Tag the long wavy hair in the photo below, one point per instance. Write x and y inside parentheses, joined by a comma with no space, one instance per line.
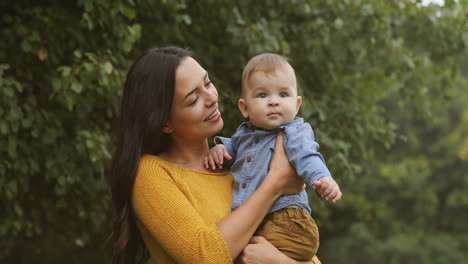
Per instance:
(146,103)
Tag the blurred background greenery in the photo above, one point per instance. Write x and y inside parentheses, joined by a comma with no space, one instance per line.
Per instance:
(384,85)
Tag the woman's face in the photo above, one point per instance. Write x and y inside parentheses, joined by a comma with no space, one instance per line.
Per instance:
(194,114)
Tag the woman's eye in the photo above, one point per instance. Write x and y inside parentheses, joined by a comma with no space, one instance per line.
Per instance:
(283,94)
(194,101)
(208,83)
(262,95)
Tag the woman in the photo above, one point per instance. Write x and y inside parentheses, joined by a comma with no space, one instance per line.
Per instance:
(165,200)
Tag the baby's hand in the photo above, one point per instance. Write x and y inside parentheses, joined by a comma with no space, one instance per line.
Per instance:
(216,156)
(328,189)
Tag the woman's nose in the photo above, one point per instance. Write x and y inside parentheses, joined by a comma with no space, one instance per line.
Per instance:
(211,96)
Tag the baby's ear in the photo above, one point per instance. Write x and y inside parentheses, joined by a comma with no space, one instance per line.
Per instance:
(243,107)
(299,103)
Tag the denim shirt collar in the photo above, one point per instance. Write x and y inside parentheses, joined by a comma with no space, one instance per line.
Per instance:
(252,127)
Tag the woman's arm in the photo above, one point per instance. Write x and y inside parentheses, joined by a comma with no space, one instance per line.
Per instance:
(238,227)
(161,205)
(259,251)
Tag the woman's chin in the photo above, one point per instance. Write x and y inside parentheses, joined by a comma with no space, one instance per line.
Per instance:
(219,126)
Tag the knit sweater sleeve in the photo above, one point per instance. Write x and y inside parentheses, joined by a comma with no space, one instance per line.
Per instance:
(162,206)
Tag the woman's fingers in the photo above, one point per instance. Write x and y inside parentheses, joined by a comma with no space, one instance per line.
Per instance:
(279,143)
(256,239)
(282,174)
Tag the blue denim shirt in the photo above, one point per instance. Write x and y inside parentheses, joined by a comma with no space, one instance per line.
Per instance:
(252,151)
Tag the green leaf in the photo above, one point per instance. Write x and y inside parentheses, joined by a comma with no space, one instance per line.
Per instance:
(56,84)
(77,54)
(90,144)
(8,91)
(65,70)
(88,21)
(135,31)
(76,86)
(18,210)
(108,67)
(130,13)
(26,46)
(70,102)
(89,67)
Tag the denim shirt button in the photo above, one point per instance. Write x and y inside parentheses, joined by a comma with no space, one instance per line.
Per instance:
(244,185)
(249,159)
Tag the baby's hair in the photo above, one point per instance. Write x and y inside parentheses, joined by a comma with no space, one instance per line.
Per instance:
(267,63)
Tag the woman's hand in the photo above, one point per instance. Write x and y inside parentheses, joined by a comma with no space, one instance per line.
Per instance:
(238,227)
(259,251)
(282,174)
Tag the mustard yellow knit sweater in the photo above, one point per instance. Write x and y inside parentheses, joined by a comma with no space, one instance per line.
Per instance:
(177,210)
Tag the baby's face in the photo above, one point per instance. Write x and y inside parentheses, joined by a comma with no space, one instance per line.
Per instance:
(270,100)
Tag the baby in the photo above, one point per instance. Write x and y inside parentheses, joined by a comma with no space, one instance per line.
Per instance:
(269,100)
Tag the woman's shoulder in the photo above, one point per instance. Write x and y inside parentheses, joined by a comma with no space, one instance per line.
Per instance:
(151,168)
(153,165)
(147,160)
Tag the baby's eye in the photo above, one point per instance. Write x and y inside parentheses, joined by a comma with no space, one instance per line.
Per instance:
(284,94)
(208,83)
(262,95)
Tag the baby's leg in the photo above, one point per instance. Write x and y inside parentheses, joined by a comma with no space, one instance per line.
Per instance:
(293,231)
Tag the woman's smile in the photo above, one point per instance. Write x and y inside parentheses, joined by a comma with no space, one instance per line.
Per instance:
(215,116)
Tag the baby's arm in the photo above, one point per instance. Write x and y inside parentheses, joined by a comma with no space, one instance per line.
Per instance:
(328,189)
(302,151)
(216,156)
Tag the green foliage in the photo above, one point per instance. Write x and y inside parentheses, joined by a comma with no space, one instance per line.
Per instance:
(369,72)
(412,204)
(60,92)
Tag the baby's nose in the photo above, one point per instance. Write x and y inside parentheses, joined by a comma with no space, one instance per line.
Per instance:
(273,102)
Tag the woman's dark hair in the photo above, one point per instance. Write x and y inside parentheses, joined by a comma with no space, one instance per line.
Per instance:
(145,107)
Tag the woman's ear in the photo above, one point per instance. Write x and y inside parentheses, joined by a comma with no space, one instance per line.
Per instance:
(298,104)
(243,107)
(167,129)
